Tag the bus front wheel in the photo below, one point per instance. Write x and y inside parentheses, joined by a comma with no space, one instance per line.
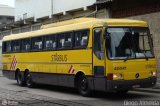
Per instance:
(29,81)
(83,87)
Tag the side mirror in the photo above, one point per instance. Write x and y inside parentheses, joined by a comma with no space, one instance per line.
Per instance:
(107,36)
(108,40)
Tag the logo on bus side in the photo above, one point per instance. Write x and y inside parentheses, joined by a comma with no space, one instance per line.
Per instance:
(59,58)
(137,75)
(71,70)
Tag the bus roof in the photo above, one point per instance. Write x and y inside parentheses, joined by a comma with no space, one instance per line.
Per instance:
(110,22)
(75,24)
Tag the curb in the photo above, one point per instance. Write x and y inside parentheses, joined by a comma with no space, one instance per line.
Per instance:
(150,90)
(155,89)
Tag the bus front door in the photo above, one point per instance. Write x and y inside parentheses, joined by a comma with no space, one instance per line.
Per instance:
(98,59)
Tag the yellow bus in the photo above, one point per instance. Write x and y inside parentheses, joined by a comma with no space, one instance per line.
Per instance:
(111,55)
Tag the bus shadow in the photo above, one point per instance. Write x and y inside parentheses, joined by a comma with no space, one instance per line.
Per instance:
(59,89)
(97,94)
(120,97)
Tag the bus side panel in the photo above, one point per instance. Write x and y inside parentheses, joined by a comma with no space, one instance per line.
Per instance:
(7,66)
(53,67)
(68,63)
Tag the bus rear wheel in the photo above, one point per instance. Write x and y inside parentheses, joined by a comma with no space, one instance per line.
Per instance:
(83,87)
(29,81)
(19,78)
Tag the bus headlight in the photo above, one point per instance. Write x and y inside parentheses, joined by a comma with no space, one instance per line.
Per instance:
(152,73)
(117,76)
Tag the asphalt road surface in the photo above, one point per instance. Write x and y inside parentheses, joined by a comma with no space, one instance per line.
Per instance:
(44,95)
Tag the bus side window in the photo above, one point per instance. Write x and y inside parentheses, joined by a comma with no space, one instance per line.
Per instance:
(50,42)
(16,45)
(37,43)
(26,44)
(4,47)
(81,39)
(65,41)
(8,47)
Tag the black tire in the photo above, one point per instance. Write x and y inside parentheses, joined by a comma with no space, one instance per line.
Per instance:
(83,86)
(20,79)
(29,81)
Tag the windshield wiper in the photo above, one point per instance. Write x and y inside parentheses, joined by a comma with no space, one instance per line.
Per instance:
(126,58)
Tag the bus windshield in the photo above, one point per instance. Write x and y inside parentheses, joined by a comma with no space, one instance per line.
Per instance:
(129,43)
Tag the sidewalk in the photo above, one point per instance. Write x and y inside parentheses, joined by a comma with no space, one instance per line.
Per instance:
(23,98)
(1,73)
(155,89)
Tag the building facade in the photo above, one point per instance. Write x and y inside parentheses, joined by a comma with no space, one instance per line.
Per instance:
(27,9)
(29,17)
(6,14)
(6,17)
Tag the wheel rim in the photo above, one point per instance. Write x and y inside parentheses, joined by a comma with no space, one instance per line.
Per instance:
(19,79)
(83,84)
(28,80)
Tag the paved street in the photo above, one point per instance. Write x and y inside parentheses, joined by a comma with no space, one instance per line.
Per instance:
(50,95)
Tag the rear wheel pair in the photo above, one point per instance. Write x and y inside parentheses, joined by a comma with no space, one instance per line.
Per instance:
(26,80)
(82,83)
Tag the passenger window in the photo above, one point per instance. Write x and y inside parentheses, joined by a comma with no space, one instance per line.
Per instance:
(6,46)
(26,45)
(65,41)
(81,38)
(16,45)
(37,43)
(50,43)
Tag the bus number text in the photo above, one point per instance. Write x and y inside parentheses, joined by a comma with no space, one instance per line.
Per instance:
(120,68)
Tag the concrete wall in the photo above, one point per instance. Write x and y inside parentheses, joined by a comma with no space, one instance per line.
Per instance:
(6,14)
(63,5)
(0,54)
(103,13)
(43,8)
(6,10)
(154,24)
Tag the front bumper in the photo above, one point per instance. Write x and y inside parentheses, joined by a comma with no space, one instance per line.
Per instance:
(121,85)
